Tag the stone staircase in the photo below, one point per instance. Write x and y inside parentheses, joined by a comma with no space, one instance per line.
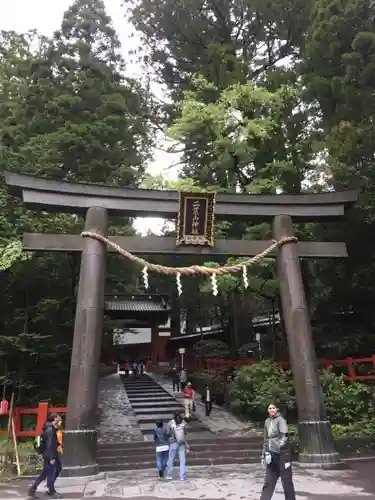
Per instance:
(204,451)
(150,402)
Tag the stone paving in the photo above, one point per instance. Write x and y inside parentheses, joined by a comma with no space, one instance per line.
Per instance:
(118,422)
(214,483)
(220,422)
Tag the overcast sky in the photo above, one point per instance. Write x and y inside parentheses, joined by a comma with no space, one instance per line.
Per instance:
(46,16)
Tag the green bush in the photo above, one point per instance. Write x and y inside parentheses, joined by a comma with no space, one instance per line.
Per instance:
(30,461)
(256,386)
(364,428)
(346,402)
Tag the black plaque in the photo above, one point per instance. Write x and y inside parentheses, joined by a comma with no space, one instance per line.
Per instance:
(196,219)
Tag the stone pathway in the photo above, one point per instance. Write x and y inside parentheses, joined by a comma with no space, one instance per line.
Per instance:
(118,422)
(214,483)
(220,422)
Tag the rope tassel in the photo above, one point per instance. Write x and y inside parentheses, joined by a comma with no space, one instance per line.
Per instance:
(215,290)
(145,277)
(244,276)
(178,283)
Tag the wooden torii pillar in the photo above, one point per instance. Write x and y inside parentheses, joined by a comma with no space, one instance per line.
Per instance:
(99,202)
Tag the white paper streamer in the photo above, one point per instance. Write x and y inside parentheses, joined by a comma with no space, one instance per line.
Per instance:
(178,283)
(215,290)
(145,277)
(244,277)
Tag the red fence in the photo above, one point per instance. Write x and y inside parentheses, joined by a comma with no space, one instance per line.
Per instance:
(354,369)
(41,413)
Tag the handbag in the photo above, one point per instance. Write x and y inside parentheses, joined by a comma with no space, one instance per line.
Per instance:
(194,406)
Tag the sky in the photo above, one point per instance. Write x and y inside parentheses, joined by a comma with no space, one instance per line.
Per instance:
(45,16)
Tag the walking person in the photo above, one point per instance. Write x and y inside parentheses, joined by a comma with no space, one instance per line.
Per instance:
(207,401)
(175,376)
(48,447)
(177,446)
(183,378)
(189,400)
(161,438)
(59,434)
(276,456)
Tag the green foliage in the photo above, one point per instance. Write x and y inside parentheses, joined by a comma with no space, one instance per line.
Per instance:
(67,111)
(12,253)
(345,401)
(348,404)
(241,125)
(211,349)
(258,385)
(363,428)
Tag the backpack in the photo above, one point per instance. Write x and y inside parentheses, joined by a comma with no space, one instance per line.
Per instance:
(179,434)
(39,445)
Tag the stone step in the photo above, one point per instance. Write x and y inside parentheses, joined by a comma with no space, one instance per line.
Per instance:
(154,417)
(151,399)
(146,395)
(193,426)
(140,410)
(212,441)
(191,461)
(216,449)
(153,404)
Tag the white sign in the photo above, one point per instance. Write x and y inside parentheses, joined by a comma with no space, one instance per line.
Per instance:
(181,350)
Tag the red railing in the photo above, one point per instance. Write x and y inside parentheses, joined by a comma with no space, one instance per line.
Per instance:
(355,369)
(41,413)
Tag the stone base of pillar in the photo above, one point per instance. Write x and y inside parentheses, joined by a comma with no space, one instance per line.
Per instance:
(79,456)
(315,438)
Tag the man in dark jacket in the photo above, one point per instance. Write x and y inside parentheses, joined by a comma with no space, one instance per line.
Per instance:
(161,437)
(49,445)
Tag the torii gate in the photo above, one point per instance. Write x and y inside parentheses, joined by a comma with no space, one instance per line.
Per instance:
(97,203)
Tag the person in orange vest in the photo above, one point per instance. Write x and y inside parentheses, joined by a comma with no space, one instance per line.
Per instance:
(59,449)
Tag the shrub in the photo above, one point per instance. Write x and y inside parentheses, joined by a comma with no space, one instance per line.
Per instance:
(256,386)
(364,428)
(345,401)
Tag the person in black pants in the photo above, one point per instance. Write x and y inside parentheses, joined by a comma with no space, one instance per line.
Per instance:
(48,447)
(207,401)
(275,456)
(175,376)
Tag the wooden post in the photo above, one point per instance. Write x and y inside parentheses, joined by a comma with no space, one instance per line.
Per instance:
(81,420)
(315,433)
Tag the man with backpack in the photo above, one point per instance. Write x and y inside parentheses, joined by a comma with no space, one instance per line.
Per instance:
(47,446)
(177,446)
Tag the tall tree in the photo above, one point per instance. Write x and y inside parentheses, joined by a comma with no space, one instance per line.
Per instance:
(339,68)
(227,41)
(67,111)
(90,122)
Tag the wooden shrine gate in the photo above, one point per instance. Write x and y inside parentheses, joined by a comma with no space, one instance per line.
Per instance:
(97,203)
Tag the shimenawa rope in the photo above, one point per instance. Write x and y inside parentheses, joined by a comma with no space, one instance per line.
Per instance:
(191,270)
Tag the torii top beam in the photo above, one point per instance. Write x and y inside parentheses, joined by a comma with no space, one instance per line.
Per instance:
(63,196)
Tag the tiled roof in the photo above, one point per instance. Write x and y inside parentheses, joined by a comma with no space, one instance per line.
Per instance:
(136,305)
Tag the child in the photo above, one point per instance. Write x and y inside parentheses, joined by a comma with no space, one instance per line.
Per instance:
(161,437)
